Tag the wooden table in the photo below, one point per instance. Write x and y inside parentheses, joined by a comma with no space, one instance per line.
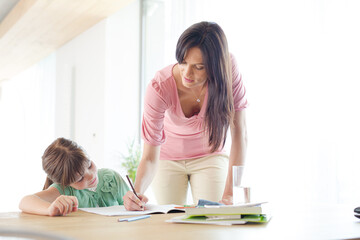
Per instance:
(307,222)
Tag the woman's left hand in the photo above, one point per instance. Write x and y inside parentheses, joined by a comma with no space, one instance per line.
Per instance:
(227,200)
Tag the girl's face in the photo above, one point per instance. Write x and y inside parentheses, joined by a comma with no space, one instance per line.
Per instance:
(192,69)
(88,180)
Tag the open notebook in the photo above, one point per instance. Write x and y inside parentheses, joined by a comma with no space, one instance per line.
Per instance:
(121,211)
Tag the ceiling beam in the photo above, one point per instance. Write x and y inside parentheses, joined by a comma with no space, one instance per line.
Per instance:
(35,28)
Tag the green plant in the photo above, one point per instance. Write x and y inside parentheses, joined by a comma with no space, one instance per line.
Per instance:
(132,159)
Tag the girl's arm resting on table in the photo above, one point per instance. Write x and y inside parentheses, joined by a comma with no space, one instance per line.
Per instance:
(49,202)
(144,175)
(237,152)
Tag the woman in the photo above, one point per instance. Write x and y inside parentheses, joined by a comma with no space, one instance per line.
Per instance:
(188,109)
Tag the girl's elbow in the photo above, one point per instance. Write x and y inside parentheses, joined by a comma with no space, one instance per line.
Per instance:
(22,203)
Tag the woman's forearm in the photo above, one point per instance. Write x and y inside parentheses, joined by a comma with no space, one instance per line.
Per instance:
(238,148)
(144,176)
(237,158)
(147,168)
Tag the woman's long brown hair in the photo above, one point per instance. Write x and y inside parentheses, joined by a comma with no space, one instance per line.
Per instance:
(63,161)
(211,40)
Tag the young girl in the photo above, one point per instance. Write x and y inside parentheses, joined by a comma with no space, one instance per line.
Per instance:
(73,181)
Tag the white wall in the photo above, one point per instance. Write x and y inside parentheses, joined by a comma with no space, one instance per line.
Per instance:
(122,90)
(27,126)
(97,97)
(80,90)
(88,90)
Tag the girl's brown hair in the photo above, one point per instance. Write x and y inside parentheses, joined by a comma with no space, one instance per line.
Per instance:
(63,161)
(211,40)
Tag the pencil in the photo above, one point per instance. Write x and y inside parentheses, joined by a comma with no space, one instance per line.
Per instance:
(132,187)
(131,219)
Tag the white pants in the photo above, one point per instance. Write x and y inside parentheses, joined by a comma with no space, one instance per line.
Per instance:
(207,177)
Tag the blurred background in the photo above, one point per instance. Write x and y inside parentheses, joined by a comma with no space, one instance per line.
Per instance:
(299,60)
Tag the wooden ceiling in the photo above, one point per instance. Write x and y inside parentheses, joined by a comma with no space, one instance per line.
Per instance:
(35,28)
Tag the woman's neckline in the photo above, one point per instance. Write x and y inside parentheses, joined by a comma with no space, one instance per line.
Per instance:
(178,98)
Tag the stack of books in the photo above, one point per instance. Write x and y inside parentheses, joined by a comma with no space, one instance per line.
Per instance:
(225,214)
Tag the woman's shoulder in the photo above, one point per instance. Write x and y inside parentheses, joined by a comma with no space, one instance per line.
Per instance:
(163,84)
(164,77)
(234,69)
(233,61)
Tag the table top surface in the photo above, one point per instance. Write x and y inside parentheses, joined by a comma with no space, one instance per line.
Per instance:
(308,222)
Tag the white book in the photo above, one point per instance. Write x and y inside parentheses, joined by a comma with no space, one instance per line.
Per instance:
(121,211)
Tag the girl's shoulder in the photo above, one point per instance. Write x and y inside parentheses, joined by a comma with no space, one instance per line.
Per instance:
(107,175)
(68,191)
(103,171)
(110,181)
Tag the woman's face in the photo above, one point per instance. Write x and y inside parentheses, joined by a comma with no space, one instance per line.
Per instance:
(192,69)
(89,179)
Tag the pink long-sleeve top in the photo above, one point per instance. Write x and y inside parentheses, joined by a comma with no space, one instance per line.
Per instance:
(165,124)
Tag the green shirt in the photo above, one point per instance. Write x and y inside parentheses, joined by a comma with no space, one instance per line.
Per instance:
(109,191)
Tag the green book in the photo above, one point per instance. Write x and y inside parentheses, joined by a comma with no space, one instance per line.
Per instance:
(254,208)
(262,218)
